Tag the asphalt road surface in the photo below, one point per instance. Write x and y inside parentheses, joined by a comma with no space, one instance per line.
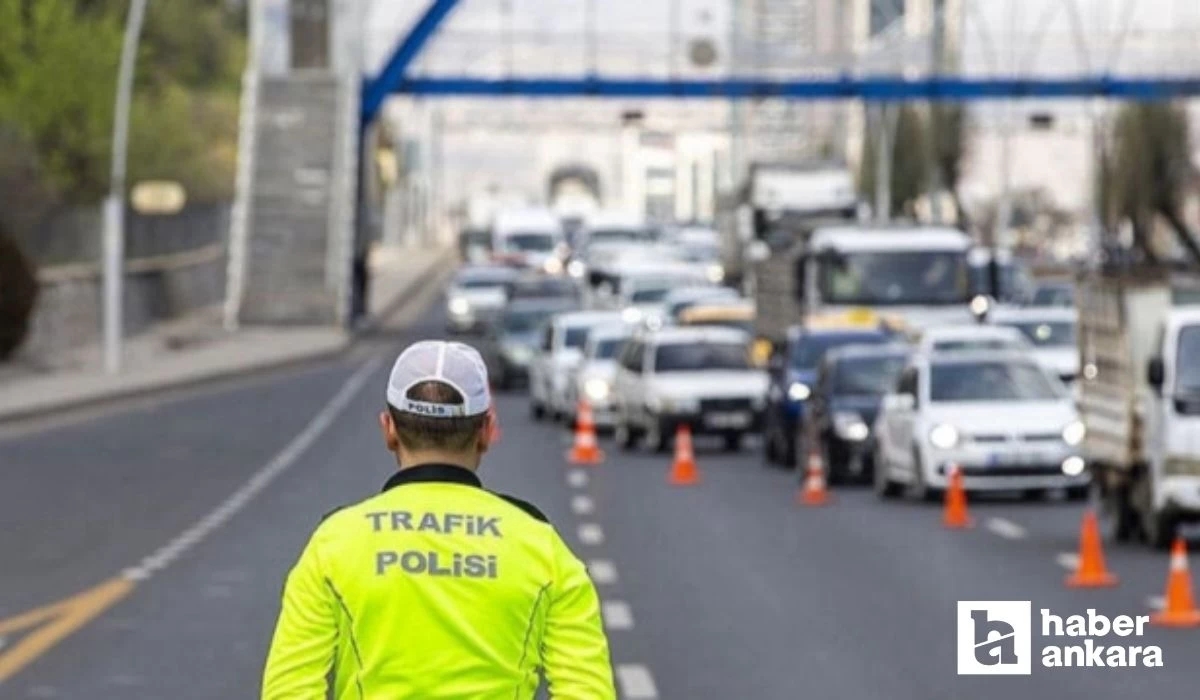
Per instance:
(166,527)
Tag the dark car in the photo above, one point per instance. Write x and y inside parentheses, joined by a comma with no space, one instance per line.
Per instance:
(510,342)
(544,287)
(850,385)
(793,372)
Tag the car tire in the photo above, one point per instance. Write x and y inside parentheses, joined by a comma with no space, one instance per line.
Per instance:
(885,488)
(921,490)
(835,474)
(624,435)
(655,437)
(733,442)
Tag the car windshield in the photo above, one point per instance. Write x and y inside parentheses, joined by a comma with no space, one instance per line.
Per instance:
(616,235)
(1013,281)
(525,321)
(481,282)
(1187,361)
(692,357)
(548,288)
(809,350)
(1053,295)
(894,278)
(990,380)
(576,336)
(866,376)
(607,349)
(530,242)
(973,344)
(649,295)
(699,252)
(1047,334)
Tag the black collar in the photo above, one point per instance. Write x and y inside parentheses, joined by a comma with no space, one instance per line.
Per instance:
(440,473)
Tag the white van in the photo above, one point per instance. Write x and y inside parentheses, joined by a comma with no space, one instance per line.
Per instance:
(531,238)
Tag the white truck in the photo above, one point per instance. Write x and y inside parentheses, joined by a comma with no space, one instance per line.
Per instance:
(1139,399)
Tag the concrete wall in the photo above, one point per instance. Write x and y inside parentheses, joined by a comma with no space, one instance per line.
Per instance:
(174,265)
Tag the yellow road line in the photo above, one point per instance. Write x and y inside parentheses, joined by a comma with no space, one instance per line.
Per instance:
(56,621)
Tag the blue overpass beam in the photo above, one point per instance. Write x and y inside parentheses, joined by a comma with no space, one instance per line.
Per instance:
(393,73)
(872,89)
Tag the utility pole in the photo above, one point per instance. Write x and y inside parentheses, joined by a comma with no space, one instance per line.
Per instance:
(114,204)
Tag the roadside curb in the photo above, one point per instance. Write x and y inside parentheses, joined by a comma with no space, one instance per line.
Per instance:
(335,347)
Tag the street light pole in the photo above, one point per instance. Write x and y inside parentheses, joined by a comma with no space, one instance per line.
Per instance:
(114,204)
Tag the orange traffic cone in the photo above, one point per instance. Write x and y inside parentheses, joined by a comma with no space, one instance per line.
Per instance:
(954,514)
(683,468)
(1180,608)
(585,450)
(813,492)
(1091,571)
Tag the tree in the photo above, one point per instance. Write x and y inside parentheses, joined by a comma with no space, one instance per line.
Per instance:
(948,135)
(1148,172)
(910,160)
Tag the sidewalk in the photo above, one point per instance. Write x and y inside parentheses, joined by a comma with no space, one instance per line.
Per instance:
(196,349)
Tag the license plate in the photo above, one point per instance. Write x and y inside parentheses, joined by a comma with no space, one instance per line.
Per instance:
(727,420)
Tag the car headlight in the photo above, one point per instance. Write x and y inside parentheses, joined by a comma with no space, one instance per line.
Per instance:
(715,273)
(460,306)
(596,389)
(576,269)
(850,426)
(799,391)
(944,436)
(1074,433)
(1073,466)
(519,354)
(631,315)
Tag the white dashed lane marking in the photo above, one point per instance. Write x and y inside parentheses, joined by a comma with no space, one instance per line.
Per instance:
(591,533)
(1005,528)
(603,571)
(636,682)
(577,478)
(1068,560)
(1156,602)
(583,505)
(617,615)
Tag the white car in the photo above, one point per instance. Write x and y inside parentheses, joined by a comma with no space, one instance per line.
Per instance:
(477,294)
(532,238)
(559,353)
(971,337)
(700,377)
(641,290)
(1005,421)
(1051,332)
(594,377)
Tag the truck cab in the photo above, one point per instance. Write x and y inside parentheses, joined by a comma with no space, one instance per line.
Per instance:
(918,274)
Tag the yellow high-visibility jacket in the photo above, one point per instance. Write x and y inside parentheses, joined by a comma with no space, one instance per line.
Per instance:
(438,588)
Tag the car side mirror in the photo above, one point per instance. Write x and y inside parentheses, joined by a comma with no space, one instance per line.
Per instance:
(1155,374)
(899,402)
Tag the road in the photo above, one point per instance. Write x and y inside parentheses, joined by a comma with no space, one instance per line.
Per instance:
(200,502)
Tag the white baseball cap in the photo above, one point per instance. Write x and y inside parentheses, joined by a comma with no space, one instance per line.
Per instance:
(456,365)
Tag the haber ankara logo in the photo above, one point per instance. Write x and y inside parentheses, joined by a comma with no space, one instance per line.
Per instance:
(995,637)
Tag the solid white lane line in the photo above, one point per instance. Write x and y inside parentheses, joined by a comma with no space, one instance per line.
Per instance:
(1156,602)
(1005,528)
(281,462)
(577,478)
(617,615)
(1068,560)
(582,505)
(591,533)
(636,682)
(603,571)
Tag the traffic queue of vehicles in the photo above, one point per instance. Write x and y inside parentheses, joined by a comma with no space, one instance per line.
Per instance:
(880,359)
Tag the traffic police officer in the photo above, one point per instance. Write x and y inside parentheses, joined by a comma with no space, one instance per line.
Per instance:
(438,588)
